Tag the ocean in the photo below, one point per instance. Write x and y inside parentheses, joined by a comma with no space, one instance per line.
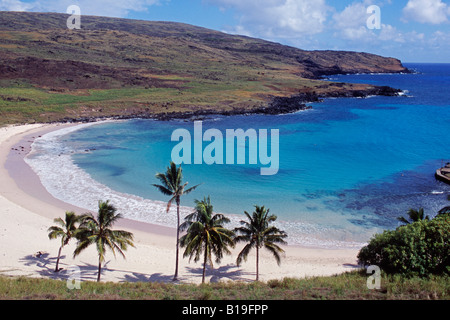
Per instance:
(348,167)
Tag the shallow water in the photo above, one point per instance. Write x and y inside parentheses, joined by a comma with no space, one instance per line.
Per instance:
(347,169)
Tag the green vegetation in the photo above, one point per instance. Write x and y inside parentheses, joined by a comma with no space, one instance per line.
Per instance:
(120,67)
(257,233)
(414,215)
(65,229)
(92,230)
(172,186)
(98,231)
(414,259)
(347,286)
(205,233)
(420,248)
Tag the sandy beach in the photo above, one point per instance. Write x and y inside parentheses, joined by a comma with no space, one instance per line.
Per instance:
(27,211)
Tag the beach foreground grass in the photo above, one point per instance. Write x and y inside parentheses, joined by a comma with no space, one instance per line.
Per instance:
(347,286)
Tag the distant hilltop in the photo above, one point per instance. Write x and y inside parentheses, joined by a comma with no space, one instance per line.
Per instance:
(161,68)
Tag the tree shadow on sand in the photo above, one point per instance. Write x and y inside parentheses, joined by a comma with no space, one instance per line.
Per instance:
(87,272)
(142,277)
(223,273)
(46,267)
(155,277)
(43,261)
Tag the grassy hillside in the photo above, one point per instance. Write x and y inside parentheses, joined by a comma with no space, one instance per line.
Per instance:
(126,67)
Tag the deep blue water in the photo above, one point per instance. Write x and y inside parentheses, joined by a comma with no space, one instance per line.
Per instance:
(347,169)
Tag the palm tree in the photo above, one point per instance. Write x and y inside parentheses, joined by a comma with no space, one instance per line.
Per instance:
(414,215)
(206,234)
(258,234)
(172,185)
(65,229)
(98,231)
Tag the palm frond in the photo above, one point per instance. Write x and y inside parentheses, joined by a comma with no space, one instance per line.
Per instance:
(60,222)
(55,232)
(97,230)
(191,188)
(164,190)
(403,220)
(257,232)
(82,245)
(163,178)
(242,256)
(206,233)
(275,250)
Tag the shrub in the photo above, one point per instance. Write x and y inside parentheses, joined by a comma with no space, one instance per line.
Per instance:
(420,248)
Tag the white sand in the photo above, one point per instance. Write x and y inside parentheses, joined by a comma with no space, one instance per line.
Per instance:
(26,212)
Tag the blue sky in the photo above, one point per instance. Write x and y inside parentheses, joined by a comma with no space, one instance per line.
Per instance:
(411,30)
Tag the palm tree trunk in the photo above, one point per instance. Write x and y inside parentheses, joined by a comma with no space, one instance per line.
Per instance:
(175,277)
(257,263)
(99,269)
(57,260)
(204,265)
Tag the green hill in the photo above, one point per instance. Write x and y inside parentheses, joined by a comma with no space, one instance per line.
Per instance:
(121,67)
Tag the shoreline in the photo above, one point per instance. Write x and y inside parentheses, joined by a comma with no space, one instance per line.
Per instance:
(24,198)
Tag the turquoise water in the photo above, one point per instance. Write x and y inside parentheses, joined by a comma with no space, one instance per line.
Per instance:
(347,169)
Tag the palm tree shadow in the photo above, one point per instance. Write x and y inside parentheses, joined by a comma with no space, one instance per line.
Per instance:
(159,277)
(89,272)
(141,277)
(228,272)
(135,277)
(45,263)
(155,277)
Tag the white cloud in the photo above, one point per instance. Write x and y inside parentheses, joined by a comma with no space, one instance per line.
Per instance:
(110,8)
(426,11)
(350,28)
(439,40)
(353,16)
(277,18)
(351,23)
(14,5)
